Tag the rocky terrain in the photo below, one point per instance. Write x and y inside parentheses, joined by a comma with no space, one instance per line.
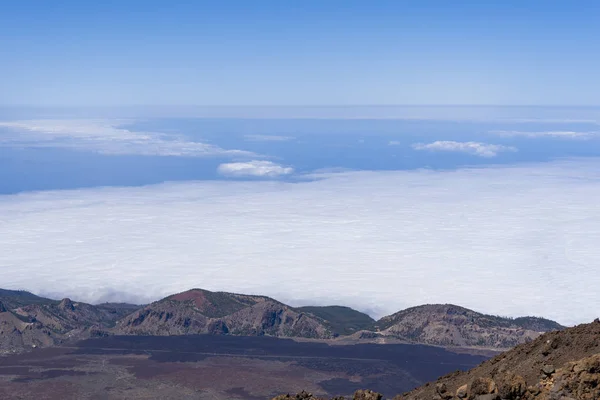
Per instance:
(28,321)
(450,325)
(556,366)
(219,367)
(561,365)
(201,311)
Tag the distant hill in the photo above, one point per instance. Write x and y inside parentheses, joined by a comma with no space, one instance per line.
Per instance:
(28,320)
(18,298)
(48,322)
(451,325)
(341,320)
(200,311)
(537,324)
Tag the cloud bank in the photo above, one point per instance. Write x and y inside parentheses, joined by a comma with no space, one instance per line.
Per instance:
(268,138)
(106,137)
(551,134)
(473,148)
(255,168)
(505,240)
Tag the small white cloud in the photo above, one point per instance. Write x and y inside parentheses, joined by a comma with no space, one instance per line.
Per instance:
(554,134)
(268,138)
(106,137)
(254,168)
(393,143)
(474,148)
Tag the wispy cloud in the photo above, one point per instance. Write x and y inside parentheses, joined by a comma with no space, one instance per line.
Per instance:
(106,137)
(268,138)
(552,134)
(254,168)
(372,240)
(473,148)
(394,143)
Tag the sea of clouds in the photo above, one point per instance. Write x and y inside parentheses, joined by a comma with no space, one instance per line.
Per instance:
(510,240)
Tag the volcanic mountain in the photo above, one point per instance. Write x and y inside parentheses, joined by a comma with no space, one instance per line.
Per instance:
(450,325)
(46,322)
(27,320)
(200,311)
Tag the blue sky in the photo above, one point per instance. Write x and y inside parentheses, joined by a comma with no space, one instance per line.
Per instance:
(148,147)
(74,53)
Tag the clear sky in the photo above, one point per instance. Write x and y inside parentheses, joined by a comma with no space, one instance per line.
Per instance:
(115,53)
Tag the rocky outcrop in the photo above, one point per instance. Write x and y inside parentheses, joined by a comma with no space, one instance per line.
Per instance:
(17,334)
(199,311)
(561,365)
(52,323)
(450,325)
(578,380)
(358,395)
(67,315)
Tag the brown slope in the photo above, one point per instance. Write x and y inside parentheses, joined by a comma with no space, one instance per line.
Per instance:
(67,315)
(16,333)
(450,325)
(557,365)
(50,323)
(18,298)
(199,311)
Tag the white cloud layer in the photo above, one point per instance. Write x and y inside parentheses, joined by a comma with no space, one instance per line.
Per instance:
(552,134)
(504,240)
(106,137)
(473,148)
(268,138)
(254,168)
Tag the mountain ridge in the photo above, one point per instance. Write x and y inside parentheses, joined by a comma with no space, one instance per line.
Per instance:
(452,325)
(47,322)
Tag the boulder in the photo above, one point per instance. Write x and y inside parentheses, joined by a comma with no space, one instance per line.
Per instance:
(481,386)
(461,392)
(303,395)
(548,369)
(442,391)
(441,388)
(489,396)
(367,395)
(512,388)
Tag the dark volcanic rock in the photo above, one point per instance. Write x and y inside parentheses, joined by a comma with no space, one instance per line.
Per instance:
(367,395)
(363,394)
